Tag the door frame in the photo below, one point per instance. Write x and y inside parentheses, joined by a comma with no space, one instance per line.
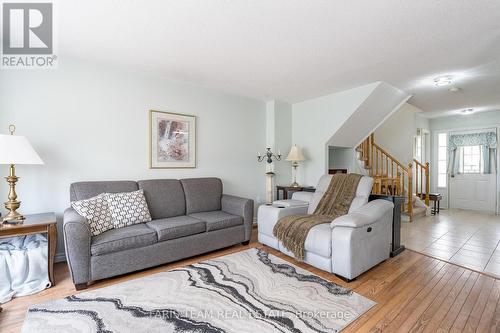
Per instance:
(426,145)
(434,167)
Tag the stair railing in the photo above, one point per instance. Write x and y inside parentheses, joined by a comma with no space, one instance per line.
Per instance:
(421,177)
(391,176)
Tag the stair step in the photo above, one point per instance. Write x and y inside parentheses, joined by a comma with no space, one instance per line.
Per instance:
(417,213)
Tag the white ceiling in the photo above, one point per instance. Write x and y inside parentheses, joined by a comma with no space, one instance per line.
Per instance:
(294,50)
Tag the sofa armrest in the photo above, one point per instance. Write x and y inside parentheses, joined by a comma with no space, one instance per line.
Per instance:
(77,240)
(241,207)
(367,214)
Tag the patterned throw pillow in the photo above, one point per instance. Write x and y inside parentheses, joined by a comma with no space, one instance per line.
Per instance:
(96,211)
(128,208)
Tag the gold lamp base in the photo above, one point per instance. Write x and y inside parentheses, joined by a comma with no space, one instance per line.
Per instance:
(12,205)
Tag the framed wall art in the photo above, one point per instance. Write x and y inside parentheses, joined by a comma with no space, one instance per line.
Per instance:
(172,141)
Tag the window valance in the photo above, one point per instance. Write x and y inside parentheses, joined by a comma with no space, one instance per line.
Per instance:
(485,139)
(488,142)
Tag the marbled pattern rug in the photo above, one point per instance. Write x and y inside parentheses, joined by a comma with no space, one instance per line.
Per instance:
(249,291)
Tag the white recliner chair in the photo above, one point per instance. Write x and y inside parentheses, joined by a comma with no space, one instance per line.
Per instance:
(350,244)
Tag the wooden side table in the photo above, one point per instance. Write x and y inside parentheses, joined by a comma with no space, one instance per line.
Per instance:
(290,189)
(436,198)
(36,224)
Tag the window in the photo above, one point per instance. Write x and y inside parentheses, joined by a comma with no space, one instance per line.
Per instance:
(418,148)
(470,159)
(442,159)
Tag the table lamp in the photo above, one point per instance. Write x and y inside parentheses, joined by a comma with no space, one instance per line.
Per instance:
(295,155)
(15,149)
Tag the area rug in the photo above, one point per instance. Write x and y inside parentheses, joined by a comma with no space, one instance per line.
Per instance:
(249,291)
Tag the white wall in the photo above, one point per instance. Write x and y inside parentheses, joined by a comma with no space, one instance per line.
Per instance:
(314,122)
(341,158)
(283,141)
(475,120)
(382,102)
(343,119)
(396,134)
(91,123)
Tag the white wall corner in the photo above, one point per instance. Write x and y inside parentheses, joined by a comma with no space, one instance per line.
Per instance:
(279,138)
(314,122)
(382,102)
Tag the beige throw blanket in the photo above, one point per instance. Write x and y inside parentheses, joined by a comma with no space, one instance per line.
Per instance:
(293,230)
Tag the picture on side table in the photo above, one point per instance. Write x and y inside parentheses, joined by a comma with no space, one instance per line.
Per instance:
(172,142)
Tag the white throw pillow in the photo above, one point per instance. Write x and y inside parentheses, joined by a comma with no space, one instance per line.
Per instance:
(96,211)
(128,208)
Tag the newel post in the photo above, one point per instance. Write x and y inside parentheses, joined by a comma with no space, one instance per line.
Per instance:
(410,190)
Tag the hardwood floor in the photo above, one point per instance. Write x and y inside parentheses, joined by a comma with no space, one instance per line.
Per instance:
(414,293)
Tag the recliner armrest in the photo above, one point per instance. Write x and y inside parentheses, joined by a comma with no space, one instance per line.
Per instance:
(364,215)
(290,203)
(241,207)
(273,213)
(303,196)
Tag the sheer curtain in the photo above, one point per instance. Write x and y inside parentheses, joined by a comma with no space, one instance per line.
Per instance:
(486,139)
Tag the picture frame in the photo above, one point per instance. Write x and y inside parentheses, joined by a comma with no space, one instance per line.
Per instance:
(172,140)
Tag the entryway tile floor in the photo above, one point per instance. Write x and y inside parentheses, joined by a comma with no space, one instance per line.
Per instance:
(467,238)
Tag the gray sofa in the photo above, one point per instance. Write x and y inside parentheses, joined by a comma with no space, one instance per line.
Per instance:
(189,217)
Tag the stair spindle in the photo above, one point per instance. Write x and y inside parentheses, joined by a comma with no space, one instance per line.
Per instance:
(427,183)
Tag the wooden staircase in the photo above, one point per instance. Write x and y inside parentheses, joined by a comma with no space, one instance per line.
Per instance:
(391,177)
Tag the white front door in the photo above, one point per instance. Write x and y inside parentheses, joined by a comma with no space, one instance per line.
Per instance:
(473,191)
(470,187)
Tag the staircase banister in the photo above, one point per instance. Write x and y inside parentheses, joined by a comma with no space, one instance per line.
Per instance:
(421,164)
(390,157)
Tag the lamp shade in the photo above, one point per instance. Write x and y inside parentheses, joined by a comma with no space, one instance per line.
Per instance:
(295,154)
(15,149)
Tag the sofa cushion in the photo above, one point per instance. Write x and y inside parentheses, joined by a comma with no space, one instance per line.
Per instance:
(131,237)
(202,194)
(319,240)
(86,190)
(362,192)
(177,227)
(97,213)
(128,208)
(165,197)
(218,219)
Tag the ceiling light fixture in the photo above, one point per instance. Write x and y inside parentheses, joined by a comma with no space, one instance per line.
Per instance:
(441,81)
(468,111)
(454,89)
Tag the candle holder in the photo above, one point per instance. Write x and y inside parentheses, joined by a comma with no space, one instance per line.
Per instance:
(269,156)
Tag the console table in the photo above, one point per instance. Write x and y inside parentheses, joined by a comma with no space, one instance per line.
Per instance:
(36,224)
(396,246)
(290,189)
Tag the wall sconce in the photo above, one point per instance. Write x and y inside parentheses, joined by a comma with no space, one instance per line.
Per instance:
(268,156)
